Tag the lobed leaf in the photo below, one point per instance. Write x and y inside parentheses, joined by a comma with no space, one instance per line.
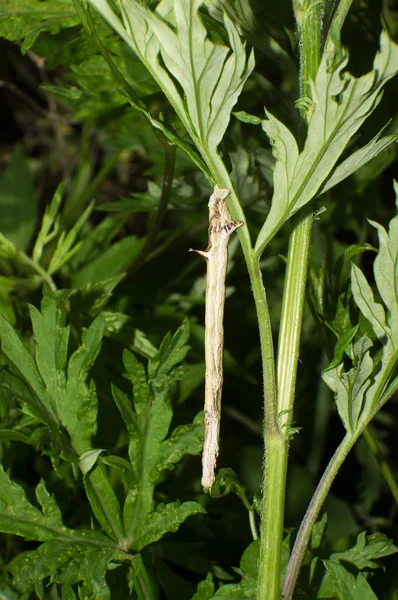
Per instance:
(341,103)
(345,585)
(66,564)
(367,549)
(350,387)
(210,75)
(150,451)
(164,519)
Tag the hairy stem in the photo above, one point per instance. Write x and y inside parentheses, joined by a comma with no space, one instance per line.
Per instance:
(312,514)
(277,445)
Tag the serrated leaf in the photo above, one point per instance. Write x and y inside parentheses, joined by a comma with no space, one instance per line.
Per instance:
(164,519)
(19,517)
(367,550)
(341,103)
(211,76)
(18,203)
(148,421)
(185,439)
(65,563)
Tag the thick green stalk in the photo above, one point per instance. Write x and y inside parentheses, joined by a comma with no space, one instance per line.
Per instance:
(276,446)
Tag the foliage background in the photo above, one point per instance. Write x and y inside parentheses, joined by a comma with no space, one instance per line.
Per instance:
(63,119)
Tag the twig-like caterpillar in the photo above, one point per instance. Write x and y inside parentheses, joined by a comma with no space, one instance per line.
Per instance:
(216,255)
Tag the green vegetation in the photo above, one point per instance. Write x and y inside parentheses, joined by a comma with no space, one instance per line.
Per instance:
(122,116)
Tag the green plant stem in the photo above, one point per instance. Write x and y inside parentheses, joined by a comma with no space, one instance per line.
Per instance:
(41,272)
(312,513)
(276,444)
(338,18)
(291,319)
(326,481)
(155,225)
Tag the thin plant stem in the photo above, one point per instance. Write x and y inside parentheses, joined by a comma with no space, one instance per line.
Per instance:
(322,490)
(253,526)
(311,516)
(338,19)
(40,271)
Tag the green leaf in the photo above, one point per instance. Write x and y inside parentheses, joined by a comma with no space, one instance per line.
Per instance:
(66,246)
(148,421)
(172,351)
(248,569)
(341,103)
(66,563)
(25,19)
(185,439)
(104,503)
(367,549)
(19,517)
(49,224)
(350,387)
(205,589)
(318,532)
(386,269)
(18,203)
(371,310)
(140,580)
(358,159)
(342,345)
(113,261)
(227,482)
(346,586)
(210,75)
(164,519)
(42,403)
(74,400)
